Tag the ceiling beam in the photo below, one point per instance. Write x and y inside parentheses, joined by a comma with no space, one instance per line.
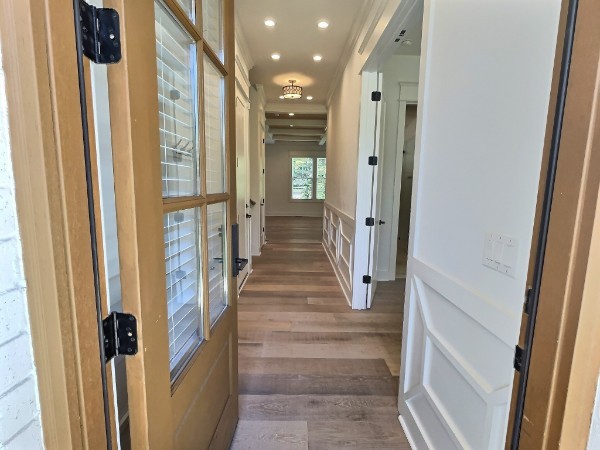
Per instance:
(297,122)
(296,132)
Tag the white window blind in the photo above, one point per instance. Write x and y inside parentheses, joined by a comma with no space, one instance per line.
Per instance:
(212,25)
(217,260)
(214,127)
(189,6)
(178,105)
(182,260)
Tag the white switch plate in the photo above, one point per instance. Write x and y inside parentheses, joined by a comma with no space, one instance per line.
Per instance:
(500,253)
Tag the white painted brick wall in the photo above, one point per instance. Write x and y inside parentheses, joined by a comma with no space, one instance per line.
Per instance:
(20,424)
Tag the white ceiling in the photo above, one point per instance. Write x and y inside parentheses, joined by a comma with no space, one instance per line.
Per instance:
(412,32)
(297,38)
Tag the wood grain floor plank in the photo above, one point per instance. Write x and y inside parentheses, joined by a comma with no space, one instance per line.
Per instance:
(312,372)
(271,435)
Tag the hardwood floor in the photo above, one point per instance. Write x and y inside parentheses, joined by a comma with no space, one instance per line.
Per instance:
(312,372)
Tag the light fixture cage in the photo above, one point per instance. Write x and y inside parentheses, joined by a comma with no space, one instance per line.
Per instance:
(292,91)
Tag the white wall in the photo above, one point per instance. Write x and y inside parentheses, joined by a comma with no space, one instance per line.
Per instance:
(277,177)
(483,105)
(344,112)
(594,442)
(20,421)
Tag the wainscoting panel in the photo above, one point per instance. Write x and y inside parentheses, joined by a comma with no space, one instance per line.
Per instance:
(338,241)
(458,355)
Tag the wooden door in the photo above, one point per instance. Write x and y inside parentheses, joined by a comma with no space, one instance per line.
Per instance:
(173,137)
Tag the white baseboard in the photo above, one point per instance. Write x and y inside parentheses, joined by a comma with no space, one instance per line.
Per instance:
(411,441)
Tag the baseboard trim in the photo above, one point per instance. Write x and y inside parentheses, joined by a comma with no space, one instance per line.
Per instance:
(411,441)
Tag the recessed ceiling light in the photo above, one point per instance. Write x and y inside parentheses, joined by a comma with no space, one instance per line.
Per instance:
(309,97)
(276,56)
(269,23)
(292,126)
(323,24)
(281,97)
(317,58)
(291,114)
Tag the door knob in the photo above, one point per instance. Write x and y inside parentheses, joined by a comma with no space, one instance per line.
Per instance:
(381,222)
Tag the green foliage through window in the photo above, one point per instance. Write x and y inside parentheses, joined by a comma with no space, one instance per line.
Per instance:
(308,178)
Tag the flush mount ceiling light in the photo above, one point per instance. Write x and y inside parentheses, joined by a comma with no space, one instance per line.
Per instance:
(292,91)
(323,24)
(406,43)
(291,114)
(309,97)
(270,23)
(276,56)
(317,58)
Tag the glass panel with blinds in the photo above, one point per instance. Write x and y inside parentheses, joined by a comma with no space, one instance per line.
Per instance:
(184,304)
(178,106)
(212,26)
(189,6)
(217,260)
(214,127)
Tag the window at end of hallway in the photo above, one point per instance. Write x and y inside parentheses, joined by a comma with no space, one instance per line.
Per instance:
(308,175)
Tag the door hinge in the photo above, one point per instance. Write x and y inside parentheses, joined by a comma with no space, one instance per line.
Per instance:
(528,298)
(376,96)
(372,160)
(518,361)
(120,335)
(366,279)
(370,221)
(101,36)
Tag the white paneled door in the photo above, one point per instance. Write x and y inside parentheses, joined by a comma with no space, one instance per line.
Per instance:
(483,100)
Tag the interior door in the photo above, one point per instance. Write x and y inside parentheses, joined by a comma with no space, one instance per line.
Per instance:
(243,202)
(375,186)
(173,137)
(263,215)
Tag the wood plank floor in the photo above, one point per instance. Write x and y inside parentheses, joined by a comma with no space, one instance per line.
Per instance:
(313,374)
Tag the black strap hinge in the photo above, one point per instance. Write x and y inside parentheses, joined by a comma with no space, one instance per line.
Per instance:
(100,33)
(366,279)
(376,96)
(370,221)
(518,361)
(120,335)
(372,160)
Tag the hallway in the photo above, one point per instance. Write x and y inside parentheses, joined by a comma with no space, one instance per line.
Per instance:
(312,372)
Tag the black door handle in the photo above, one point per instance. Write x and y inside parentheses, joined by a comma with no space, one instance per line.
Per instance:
(381,222)
(240,263)
(248,216)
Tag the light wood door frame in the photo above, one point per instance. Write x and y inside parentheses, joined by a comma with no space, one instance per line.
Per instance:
(156,404)
(565,354)
(39,56)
